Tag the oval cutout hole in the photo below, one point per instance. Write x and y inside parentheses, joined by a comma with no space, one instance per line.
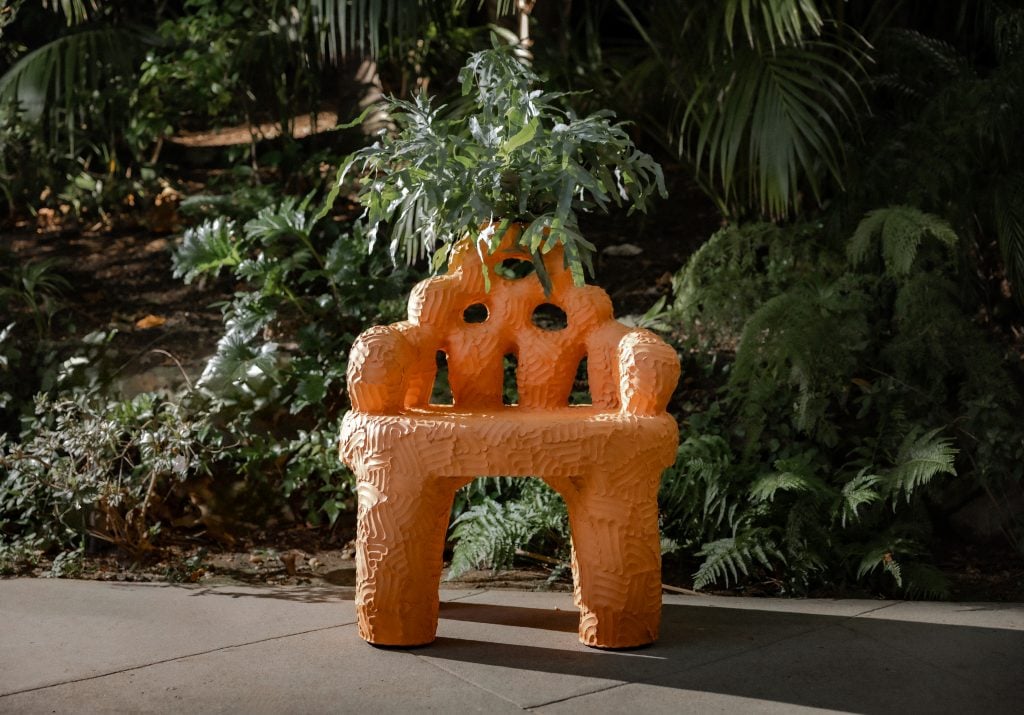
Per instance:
(476,313)
(548,316)
(514,269)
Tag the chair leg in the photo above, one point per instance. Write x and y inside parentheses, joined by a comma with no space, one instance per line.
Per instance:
(616,557)
(400,535)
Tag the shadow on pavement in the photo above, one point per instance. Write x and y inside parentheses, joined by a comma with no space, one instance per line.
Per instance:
(843,663)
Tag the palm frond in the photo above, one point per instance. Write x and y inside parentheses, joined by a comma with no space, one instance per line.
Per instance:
(783,22)
(769,120)
(55,79)
(75,11)
(1009,214)
(377,27)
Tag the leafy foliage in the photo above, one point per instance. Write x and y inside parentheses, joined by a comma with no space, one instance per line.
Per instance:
(206,249)
(490,532)
(510,155)
(89,466)
(255,438)
(842,414)
(758,96)
(900,231)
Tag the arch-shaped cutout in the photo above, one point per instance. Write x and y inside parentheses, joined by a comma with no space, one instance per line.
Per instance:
(475,313)
(510,386)
(580,394)
(514,269)
(441,393)
(548,316)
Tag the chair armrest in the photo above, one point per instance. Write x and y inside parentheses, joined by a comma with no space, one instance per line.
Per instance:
(379,368)
(648,373)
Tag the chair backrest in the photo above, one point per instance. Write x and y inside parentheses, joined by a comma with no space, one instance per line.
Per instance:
(476,328)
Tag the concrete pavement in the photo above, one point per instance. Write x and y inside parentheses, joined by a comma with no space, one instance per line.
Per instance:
(78,646)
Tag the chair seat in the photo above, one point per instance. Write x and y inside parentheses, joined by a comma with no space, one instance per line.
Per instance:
(442,441)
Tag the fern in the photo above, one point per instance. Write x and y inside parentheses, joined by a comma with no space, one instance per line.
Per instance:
(794,476)
(923,581)
(882,556)
(896,557)
(859,491)
(490,533)
(807,338)
(900,230)
(727,558)
(696,492)
(921,458)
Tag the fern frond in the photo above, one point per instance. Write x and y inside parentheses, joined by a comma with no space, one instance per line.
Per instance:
(696,488)
(765,488)
(939,54)
(924,581)
(921,457)
(881,557)
(900,230)
(727,558)
(486,535)
(856,493)
(808,338)
(489,533)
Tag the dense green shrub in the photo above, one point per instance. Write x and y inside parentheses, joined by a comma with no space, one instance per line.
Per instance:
(861,384)
(273,391)
(254,439)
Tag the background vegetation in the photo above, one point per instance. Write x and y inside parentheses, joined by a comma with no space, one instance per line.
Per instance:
(851,337)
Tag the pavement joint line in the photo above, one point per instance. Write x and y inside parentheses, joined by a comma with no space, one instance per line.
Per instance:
(876,609)
(172,660)
(468,595)
(567,698)
(915,655)
(426,658)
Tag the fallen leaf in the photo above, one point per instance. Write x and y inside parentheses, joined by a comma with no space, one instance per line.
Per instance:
(150,321)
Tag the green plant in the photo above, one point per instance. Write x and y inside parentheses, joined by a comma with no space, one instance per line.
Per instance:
(37,286)
(758,96)
(824,458)
(273,391)
(509,155)
(90,466)
(491,532)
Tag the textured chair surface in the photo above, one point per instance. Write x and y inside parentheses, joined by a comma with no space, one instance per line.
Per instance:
(606,459)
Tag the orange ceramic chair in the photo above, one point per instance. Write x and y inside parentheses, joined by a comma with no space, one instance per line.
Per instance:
(605,459)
